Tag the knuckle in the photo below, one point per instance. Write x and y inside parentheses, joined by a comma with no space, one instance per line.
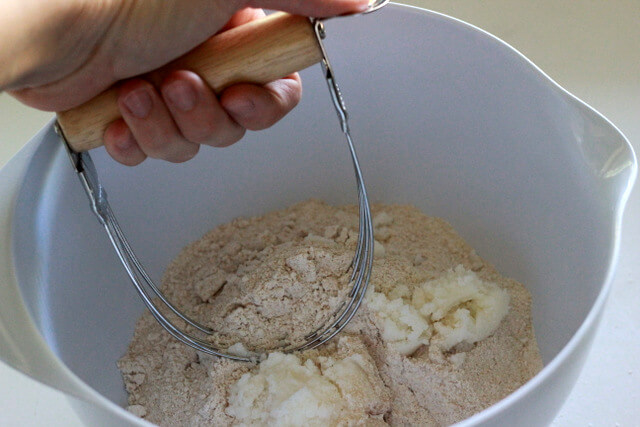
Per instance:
(214,133)
(183,155)
(238,135)
(156,148)
(201,133)
(266,120)
(131,160)
(227,138)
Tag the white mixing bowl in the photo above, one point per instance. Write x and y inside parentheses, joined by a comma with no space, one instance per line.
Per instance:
(445,117)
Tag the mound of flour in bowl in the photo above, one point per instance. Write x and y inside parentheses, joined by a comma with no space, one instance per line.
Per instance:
(440,336)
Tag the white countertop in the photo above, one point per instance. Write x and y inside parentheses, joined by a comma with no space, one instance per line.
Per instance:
(592,48)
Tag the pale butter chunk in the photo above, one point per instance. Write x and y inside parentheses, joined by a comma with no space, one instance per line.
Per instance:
(402,326)
(285,391)
(461,306)
(456,307)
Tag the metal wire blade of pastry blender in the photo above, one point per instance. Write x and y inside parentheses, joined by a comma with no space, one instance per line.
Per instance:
(145,287)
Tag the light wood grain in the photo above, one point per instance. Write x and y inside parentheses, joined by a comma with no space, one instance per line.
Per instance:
(257,52)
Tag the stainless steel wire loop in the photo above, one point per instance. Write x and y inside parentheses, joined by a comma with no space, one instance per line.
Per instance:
(153,298)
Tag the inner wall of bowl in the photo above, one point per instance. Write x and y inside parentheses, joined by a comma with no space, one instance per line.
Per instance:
(444,118)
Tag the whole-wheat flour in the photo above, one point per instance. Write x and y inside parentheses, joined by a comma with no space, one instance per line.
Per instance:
(440,336)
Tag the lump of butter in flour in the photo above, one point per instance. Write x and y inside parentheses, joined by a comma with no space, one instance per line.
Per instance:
(454,308)
(330,390)
(401,324)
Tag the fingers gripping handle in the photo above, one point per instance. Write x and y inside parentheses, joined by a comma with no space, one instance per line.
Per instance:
(257,52)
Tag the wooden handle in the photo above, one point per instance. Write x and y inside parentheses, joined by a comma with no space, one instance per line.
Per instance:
(259,52)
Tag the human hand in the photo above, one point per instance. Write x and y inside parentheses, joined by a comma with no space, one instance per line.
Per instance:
(90,45)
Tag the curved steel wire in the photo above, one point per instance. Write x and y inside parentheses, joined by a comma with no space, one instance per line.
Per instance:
(361,264)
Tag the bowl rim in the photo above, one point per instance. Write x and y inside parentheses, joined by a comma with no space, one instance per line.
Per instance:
(87,393)
(591,319)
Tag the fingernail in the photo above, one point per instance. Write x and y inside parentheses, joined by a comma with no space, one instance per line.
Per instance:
(181,94)
(139,103)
